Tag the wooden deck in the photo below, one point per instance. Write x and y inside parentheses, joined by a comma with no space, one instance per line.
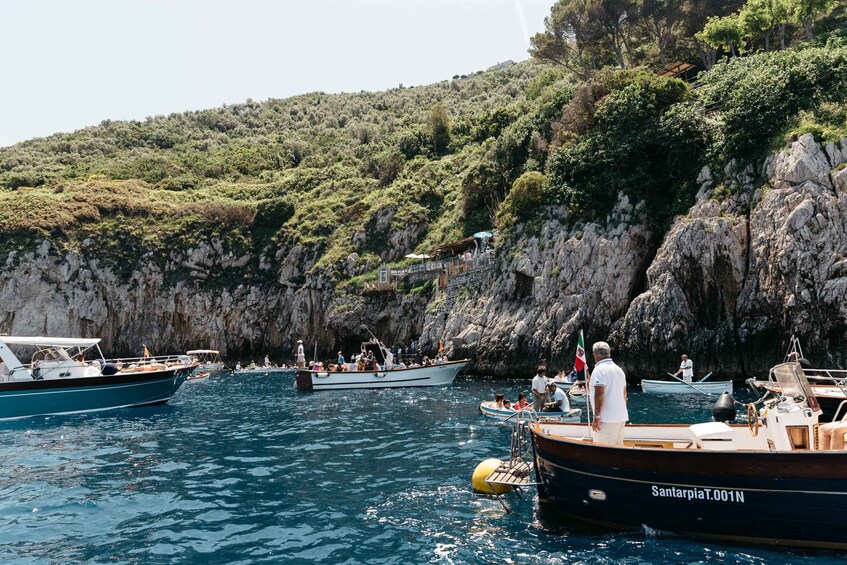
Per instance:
(515,474)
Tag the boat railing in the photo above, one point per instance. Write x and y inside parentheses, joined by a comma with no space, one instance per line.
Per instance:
(836,417)
(45,368)
(832,375)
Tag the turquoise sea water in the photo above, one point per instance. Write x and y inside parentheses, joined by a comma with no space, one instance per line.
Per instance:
(246,469)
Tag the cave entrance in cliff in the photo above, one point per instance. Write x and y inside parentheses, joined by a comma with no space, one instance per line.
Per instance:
(523,285)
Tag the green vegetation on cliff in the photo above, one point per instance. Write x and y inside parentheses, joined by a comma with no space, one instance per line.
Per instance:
(382,174)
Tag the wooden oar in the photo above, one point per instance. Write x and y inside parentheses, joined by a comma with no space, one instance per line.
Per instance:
(691,385)
(704,378)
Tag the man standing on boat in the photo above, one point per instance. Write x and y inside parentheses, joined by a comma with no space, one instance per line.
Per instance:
(607,388)
(539,388)
(686,368)
(301,355)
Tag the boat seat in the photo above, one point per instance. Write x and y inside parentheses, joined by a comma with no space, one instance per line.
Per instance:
(711,435)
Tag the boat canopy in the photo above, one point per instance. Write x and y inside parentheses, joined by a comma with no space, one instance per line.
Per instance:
(203,351)
(50,341)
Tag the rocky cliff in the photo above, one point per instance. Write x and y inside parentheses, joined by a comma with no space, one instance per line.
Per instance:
(195,298)
(761,254)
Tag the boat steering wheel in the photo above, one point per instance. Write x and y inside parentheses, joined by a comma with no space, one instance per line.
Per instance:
(753,419)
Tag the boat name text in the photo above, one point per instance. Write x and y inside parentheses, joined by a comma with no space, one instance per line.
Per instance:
(711,494)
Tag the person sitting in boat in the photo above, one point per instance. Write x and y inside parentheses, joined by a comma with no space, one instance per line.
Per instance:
(558,399)
(439,359)
(499,401)
(340,358)
(401,365)
(832,436)
(686,368)
(238,366)
(507,405)
(521,403)
(267,361)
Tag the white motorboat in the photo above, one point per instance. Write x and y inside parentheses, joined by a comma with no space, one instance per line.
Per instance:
(71,376)
(263,371)
(198,377)
(209,360)
(489,408)
(431,375)
(678,387)
(563,383)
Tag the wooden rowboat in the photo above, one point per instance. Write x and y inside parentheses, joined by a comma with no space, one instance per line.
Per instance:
(677,387)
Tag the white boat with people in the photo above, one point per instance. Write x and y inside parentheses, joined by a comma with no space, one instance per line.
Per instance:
(376,368)
(489,408)
(198,377)
(263,371)
(208,359)
(681,387)
(71,376)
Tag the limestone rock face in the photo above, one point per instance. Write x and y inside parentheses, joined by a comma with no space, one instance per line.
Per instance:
(730,281)
(749,279)
(540,293)
(196,298)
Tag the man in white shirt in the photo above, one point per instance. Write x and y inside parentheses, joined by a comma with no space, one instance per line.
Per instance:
(539,388)
(607,389)
(558,399)
(686,368)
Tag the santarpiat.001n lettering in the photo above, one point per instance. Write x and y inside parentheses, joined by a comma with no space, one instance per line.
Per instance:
(696,493)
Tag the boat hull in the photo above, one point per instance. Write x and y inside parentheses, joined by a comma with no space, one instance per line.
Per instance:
(25,399)
(264,372)
(212,367)
(773,498)
(433,375)
(676,387)
(570,416)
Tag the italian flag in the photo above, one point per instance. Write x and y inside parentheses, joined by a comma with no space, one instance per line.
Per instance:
(579,362)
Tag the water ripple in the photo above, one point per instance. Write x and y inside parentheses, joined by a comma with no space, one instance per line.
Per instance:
(246,470)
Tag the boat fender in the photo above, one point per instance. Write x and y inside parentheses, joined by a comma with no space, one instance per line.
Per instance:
(724,408)
(481,473)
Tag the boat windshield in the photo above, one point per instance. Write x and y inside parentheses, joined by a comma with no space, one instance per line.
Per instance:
(792,382)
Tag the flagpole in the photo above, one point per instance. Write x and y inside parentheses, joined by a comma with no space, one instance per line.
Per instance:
(588,403)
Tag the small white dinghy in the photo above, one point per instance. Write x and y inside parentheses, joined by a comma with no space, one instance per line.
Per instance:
(489,408)
(678,387)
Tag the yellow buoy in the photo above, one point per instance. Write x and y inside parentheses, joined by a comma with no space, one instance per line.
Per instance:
(481,473)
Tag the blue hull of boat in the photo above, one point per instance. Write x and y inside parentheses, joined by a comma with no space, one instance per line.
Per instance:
(91,394)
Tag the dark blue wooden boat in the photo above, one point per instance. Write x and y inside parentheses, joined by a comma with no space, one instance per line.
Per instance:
(767,482)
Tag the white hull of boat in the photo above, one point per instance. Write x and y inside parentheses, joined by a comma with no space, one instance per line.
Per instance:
(212,367)
(433,375)
(264,371)
(488,409)
(676,387)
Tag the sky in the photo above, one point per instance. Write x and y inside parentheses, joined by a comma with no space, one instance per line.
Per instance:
(71,64)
